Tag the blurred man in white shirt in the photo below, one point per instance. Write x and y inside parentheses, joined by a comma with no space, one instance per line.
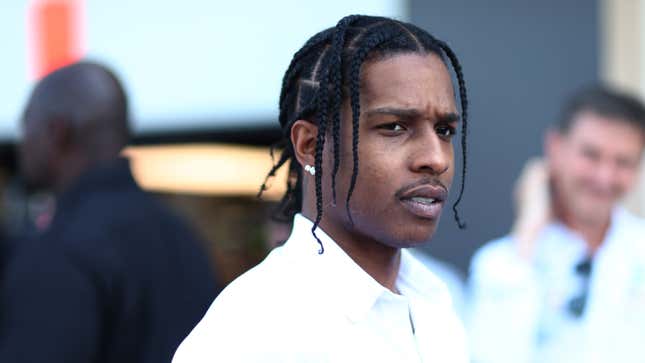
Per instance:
(368,113)
(568,283)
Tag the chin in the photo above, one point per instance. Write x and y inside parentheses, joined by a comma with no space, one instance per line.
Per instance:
(413,237)
(409,244)
(595,213)
(395,231)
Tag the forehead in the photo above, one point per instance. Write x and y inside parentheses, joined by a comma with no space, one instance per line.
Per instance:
(611,134)
(420,81)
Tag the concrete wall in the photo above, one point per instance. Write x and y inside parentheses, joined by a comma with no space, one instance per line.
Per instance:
(520,58)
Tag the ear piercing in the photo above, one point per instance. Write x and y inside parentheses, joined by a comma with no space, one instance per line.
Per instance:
(310,169)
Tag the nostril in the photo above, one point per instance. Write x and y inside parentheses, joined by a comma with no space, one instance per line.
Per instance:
(434,170)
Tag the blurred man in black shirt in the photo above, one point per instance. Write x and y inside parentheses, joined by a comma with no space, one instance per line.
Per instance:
(116,277)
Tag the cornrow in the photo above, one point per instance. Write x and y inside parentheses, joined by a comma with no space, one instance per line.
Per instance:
(287,154)
(323,104)
(463,97)
(313,89)
(294,66)
(359,58)
(336,71)
(283,159)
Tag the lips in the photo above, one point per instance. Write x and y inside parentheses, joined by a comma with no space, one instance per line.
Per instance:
(424,201)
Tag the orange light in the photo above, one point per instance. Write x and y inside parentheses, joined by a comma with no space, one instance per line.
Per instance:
(226,170)
(55,29)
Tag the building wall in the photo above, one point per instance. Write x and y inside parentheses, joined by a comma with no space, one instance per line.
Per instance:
(622,63)
(521,58)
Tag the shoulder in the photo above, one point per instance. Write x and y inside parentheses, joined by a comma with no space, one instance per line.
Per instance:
(111,224)
(498,263)
(38,268)
(277,289)
(493,252)
(631,223)
(261,311)
(631,229)
(259,282)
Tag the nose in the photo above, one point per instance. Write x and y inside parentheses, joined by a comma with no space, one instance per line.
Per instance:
(431,154)
(605,174)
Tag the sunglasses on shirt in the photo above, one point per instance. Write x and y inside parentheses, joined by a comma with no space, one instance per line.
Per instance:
(578,303)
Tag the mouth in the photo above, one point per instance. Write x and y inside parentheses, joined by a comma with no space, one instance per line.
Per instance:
(424,201)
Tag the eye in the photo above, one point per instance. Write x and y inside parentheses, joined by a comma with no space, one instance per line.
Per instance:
(392,127)
(446,131)
(626,163)
(590,154)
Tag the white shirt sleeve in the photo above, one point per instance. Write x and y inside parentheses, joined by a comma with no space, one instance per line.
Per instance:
(504,305)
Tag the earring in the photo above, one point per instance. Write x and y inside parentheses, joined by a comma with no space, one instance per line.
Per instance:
(310,169)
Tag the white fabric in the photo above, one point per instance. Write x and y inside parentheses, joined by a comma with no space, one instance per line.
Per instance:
(301,306)
(449,275)
(519,310)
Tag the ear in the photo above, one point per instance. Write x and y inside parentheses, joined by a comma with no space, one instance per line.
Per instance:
(303,138)
(552,145)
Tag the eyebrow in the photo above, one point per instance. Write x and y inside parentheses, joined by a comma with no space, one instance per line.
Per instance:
(411,113)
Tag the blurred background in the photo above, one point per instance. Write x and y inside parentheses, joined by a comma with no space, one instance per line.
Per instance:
(203,79)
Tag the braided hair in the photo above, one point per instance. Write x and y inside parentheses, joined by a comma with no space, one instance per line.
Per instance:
(322,74)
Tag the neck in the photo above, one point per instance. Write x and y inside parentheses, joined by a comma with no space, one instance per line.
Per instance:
(593,232)
(377,259)
(74,163)
(67,175)
(74,166)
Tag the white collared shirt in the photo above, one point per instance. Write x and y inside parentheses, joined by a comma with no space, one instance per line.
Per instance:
(302,306)
(520,310)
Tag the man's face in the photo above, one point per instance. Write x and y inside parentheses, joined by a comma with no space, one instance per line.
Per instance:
(35,152)
(594,164)
(408,118)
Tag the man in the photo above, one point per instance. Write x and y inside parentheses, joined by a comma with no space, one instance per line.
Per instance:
(568,283)
(116,277)
(342,288)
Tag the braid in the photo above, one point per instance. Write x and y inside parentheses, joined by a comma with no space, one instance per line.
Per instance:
(357,62)
(337,83)
(464,131)
(323,106)
(286,155)
(294,66)
(294,69)
(286,205)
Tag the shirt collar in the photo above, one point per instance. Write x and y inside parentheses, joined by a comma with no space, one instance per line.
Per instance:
(355,289)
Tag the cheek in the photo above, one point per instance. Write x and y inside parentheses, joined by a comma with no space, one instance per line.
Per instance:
(626,179)
(581,163)
(377,181)
(378,174)
(575,167)
(449,175)
(27,151)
